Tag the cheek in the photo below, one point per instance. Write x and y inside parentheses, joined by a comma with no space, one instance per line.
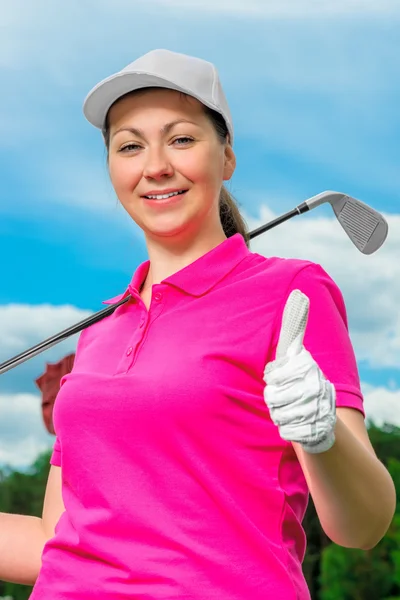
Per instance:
(124,175)
(203,167)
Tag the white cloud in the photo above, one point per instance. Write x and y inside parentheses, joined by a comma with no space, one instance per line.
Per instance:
(22,326)
(324,92)
(370,284)
(286,8)
(382,405)
(22,432)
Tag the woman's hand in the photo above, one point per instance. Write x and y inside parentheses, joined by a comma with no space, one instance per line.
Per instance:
(301,401)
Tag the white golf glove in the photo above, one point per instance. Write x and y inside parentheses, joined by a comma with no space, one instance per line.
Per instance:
(301,401)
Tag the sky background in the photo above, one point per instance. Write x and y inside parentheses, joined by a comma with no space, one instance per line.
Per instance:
(314,89)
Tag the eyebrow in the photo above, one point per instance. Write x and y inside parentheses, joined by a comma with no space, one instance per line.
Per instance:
(164,130)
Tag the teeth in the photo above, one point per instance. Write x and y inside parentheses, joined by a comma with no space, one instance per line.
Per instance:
(164,196)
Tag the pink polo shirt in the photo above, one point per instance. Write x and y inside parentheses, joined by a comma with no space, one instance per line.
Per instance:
(176,483)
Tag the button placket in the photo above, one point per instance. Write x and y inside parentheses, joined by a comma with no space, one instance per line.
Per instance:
(140,334)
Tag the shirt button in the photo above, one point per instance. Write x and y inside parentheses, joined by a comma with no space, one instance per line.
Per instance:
(129,351)
(157,297)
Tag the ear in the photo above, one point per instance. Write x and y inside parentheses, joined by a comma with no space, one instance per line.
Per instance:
(230,162)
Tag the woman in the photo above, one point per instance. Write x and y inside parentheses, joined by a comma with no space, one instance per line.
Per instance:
(188,471)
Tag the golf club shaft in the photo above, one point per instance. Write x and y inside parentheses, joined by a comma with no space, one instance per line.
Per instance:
(299,210)
(59,337)
(63,335)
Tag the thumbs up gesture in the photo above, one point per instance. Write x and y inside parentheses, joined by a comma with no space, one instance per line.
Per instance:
(301,401)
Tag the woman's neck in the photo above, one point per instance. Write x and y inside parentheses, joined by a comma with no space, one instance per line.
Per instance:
(169,258)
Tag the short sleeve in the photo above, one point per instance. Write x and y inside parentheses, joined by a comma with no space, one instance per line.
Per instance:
(327,336)
(55,458)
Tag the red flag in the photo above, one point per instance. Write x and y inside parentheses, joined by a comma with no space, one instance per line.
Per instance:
(49,384)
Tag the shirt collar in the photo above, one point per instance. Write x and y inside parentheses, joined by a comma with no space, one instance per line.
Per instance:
(200,276)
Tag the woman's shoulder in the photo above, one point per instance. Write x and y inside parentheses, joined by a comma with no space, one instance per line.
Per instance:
(279,269)
(278,275)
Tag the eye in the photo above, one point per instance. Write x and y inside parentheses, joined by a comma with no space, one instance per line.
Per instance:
(183,140)
(131,147)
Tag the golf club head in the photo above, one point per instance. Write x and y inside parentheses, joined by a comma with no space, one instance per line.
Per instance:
(366,228)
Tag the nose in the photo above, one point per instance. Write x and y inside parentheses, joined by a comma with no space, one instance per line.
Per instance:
(157,165)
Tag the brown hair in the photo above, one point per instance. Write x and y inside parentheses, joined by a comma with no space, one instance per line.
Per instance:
(231,220)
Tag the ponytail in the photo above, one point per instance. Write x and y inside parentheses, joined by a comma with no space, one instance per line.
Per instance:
(231,219)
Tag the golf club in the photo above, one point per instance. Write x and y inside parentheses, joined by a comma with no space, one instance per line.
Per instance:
(366,228)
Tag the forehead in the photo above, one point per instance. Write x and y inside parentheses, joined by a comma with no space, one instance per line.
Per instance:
(143,103)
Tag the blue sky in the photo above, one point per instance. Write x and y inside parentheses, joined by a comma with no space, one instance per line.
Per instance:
(314,90)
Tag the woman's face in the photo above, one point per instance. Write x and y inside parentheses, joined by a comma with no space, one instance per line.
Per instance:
(162,142)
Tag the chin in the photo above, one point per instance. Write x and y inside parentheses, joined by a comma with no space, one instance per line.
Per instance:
(170,233)
(167,233)
(171,228)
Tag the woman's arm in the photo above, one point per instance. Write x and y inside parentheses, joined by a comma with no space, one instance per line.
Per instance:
(353,493)
(308,386)
(22,538)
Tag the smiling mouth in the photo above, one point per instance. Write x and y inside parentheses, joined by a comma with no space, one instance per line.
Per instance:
(165,196)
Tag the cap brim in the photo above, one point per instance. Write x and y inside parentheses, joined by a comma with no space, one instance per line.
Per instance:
(100,99)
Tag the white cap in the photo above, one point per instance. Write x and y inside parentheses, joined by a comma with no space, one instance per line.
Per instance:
(165,69)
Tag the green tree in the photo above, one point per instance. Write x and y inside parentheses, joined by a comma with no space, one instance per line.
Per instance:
(386,441)
(23,493)
(317,540)
(362,575)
